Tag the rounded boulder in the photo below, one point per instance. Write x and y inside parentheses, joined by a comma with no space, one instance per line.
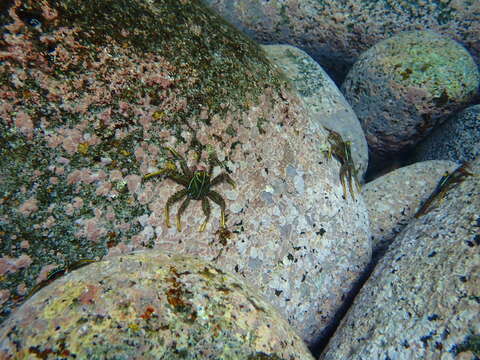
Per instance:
(404,86)
(149,305)
(457,139)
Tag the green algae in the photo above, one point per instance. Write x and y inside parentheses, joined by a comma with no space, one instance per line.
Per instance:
(230,70)
(19,160)
(431,62)
(188,34)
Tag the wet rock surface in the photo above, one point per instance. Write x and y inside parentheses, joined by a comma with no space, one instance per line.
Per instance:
(393,199)
(323,100)
(457,139)
(149,305)
(336,32)
(89,108)
(404,86)
(422,299)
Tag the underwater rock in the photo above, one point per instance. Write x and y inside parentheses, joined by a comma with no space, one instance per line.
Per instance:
(393,199)
(322,98)
(457,139)
(97,96)
(422,299)
(336,32)
(404,86)
(149,305)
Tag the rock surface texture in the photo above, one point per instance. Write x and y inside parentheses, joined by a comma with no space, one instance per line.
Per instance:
(336,32)
(405,85)
(97,95)
(322,98)
(149,305)
(393,199)
(457,139)
(422,300)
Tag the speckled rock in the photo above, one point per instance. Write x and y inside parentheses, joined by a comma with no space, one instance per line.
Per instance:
(323,100)
(457,139)
(95,93)
(149,305)
(393,199)
(405,85)
(335,32)
(422,300)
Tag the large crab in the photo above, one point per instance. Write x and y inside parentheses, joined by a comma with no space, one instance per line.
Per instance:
(198,184)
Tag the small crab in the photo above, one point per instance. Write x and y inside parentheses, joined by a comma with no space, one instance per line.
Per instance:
(341,151)
(198,184)
(446,183)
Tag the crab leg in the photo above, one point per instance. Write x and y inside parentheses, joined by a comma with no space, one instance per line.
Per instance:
(350,183)
(180,212)
(169,169)
(223,177)
(183,162)
(172,200)
(217,198)
(343,175)
(206,211)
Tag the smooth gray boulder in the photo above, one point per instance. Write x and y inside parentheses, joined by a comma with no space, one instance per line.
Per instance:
(457,139)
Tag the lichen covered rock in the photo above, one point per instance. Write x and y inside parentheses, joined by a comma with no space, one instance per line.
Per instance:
(149,305)
(404,86)
(97,95)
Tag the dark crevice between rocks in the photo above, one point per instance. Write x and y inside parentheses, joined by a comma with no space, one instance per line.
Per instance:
(378,167)
(318,347)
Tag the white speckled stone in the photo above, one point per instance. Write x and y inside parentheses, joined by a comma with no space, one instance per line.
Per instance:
(393,199)
(293,235)
(149,305)
(457,139)
(324,101)
(422,300)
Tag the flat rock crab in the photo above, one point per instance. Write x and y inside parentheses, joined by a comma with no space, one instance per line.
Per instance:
(341,151)
(197,183)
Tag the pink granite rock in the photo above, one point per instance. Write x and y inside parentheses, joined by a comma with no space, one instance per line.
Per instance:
(109,90)
(422,300)
(322,98)
(393,199)
(149,305)
(336,32)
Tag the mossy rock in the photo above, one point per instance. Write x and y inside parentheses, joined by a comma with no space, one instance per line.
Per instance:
(149,305)
(91,94)
(406,85)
